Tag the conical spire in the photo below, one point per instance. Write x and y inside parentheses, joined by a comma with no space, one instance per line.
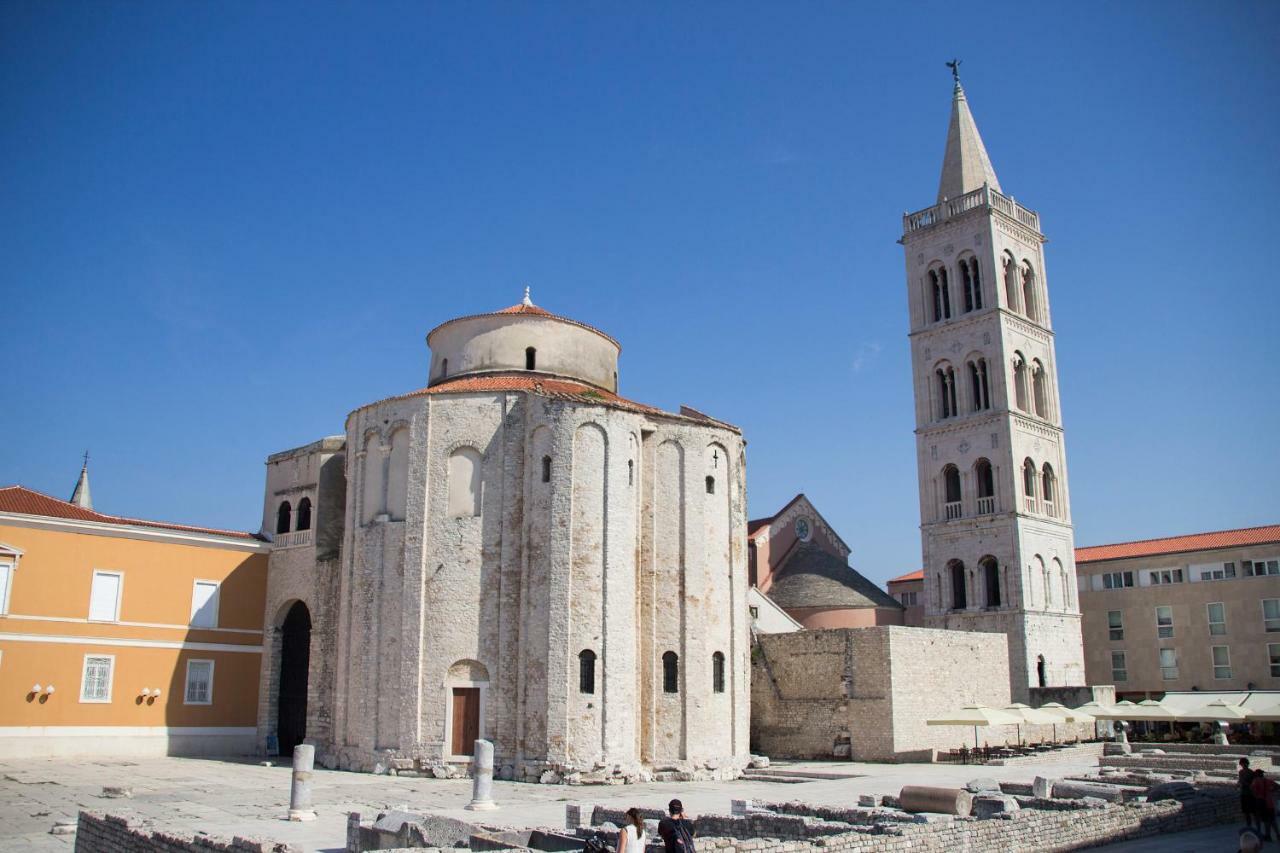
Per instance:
(80,497)
(965,166)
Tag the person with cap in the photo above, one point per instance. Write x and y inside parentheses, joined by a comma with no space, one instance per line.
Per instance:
(676,830)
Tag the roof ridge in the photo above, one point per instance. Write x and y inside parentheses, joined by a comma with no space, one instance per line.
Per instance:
(1177,536)
(82,514)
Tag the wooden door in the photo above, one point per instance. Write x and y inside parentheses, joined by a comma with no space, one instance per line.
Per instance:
(466,719)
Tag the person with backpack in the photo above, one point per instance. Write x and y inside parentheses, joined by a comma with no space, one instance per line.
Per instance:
(676,829)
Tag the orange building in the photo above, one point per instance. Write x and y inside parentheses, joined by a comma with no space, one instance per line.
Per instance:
(908,590)
(125,637)
(799,563)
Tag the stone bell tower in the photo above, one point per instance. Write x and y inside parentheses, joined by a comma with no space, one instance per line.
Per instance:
(995,517)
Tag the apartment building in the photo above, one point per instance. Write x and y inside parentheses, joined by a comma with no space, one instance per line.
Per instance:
(120,636)
(1183,613)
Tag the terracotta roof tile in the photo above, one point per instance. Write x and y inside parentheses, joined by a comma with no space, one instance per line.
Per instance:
(917,575)
(24,501)
(521,308)
(1177,544)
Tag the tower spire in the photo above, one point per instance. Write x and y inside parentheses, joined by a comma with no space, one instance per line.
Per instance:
(527,299)
(80,496)
(965,165)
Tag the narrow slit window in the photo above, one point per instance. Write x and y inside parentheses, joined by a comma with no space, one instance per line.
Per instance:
(717,672)
(530,359)
(711,485)
(670,672)
(546,469)
(586,671)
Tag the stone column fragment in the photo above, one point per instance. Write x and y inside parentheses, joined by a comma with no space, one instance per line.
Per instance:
(304,757)
(482,778)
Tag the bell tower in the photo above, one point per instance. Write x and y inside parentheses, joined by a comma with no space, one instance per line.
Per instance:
(995,511)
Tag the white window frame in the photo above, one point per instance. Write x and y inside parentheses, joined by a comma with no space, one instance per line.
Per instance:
(1165,670)
(1112,629)
(1273,659)
(7,568)
(1169,627)
(119,594)
(111,679)
(217,602)
(1213,661)
(1274,619)
(186,683)
(1122,672)
(1208,612)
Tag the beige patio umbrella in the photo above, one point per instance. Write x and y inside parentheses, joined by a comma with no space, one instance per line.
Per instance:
(975,715)
(1122,710)
(1032,716)
(1079,715)
(1151,711)
(1096,710)
(1214,712)
(1066,714)
(1265,713)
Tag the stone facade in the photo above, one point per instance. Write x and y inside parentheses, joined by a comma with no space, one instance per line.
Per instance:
(865,693)
(994,503)
(526,558)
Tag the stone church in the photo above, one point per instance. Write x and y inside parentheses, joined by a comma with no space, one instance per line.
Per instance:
(995,511)
(515,553)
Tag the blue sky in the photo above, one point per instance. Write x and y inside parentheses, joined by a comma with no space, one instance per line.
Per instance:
(224,226)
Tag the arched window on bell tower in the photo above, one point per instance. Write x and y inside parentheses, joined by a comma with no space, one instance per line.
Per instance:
(1030,304)
(1029,484)
(991,580)
(1048,489)
(951,492)
(1012,287)
(986,487)
(945,376)
(941,294)
(1039,389)
(1020,382)
(959,595)
(978,385)
(970,285)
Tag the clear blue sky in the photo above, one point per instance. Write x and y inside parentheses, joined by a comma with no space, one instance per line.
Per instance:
(224,226)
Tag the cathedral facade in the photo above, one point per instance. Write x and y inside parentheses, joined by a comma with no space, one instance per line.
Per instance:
(513,553)
(995,512)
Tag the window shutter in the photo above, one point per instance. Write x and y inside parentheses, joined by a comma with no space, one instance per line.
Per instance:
(104,598)
(204,605)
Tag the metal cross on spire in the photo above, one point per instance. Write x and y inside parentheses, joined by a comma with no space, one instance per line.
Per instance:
(954,65)
(86,459)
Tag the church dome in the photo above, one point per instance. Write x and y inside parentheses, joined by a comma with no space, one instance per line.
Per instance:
(523,339)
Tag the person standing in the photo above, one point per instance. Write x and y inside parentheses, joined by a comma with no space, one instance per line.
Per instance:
(676,829)
(1264,798)
(1244,779)
(632,839)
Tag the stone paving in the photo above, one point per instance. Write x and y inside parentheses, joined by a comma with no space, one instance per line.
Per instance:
(239,796)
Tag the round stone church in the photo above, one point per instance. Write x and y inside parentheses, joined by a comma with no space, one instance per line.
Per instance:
(514,553)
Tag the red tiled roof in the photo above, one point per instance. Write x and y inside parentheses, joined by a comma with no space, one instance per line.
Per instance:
(917,575)
(1176,544)
(24,501)
(521,308)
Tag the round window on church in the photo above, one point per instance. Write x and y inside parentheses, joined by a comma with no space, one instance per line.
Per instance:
(803,529)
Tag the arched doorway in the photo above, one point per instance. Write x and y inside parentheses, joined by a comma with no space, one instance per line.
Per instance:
(295,661)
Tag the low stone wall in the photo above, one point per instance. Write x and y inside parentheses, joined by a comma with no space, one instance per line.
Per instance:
(1084,750)
(98,832)
(1069,825)
(1173,762)
(1048,825)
